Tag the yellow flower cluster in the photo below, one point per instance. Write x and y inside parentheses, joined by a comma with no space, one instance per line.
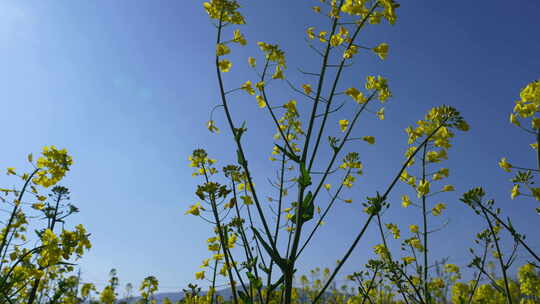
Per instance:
(200,160)
(224,10)
(359,8)
(53,166)
(380,85)
(528,105)
(273,53)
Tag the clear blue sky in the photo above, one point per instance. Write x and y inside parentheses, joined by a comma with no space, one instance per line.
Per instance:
(127,86)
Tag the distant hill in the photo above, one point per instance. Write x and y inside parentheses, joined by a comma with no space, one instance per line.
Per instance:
(176,296)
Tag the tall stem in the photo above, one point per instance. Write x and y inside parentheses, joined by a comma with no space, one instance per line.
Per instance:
(425,228)
(500,258)
(538,149)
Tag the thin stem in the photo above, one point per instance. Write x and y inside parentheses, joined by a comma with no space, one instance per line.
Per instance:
(322,216)
(14,213)
(344,259)
(334,86)
(239,145)
(538,149)
(511,230)
(403,274)
(427,295)
(500,258)
(477,280)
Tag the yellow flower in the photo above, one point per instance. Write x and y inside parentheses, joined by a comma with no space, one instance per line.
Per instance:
(232,241)
(222,49)
(212,127)
(535,123)
(350,52)
(381,251)
(336,40)
(408,260)
(447,188)
(310,33)
(247,200)
(327,186)
(199,275)
(380,114)
(316,9)
(11,171)
(513,120)
(343,124)
(505,165)
(278,74)
(394,229)
(252,62)
(248,88)
(273,53)
(381,50)
(224,65)
(415,243)
(515,191)
(322,36)
(260,101)
(195,209)
(214,247)
(405,201)
(536,193)
(444,172)
(239,38)
(348,201)
(38,206)
(437,210)
(53,164)
(226,11)
(369,139)
(356,95)
(260,85)
(343,31)
(307,89)
(414,228)
(423,188)
(349,180)
(205,263)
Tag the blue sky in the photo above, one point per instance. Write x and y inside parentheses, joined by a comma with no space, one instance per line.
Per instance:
(127,86)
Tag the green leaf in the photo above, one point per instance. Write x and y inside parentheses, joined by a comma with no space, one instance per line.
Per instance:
(254,281)
(241,160)
(290,155)
(305,179)
(308,208)
(238,132)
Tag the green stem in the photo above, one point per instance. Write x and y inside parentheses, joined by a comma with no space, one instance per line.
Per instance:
(516,236)
(427,295)
(13,214)
(239,145)
(500,258)
(479,276)
(538,149)
(334,86)
(344,259)
(222,238)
